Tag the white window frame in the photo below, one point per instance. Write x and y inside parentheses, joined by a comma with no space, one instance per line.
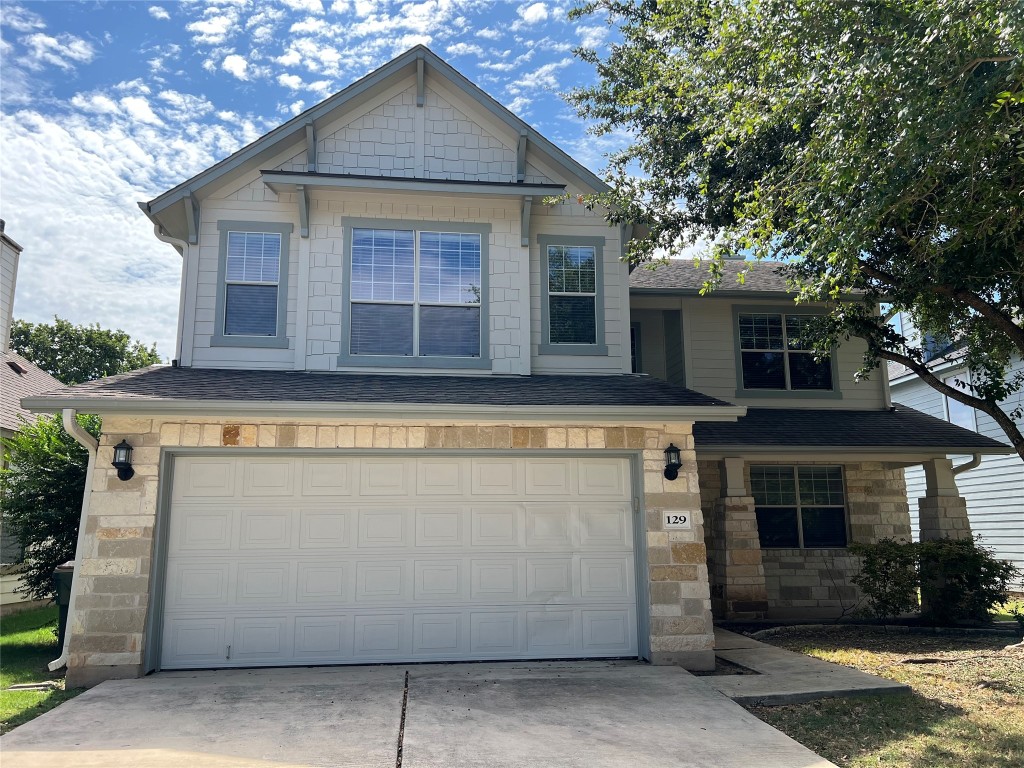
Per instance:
(950,380)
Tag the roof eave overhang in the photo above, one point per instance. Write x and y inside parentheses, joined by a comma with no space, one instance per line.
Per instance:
(549,414)
(749,293)
(892,453)
(285,181)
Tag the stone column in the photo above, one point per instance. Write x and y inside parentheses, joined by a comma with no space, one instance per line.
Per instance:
(740,584)
(942,511)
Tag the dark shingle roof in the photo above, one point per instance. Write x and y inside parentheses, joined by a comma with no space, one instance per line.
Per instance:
(682,275)
(899,428)
(161,384)
(15,385)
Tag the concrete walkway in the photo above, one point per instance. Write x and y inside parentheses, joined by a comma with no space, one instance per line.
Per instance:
(785,677)
(514,715)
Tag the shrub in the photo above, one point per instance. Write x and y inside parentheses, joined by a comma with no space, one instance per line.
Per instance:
(959,579)
(41,496)
(888,576)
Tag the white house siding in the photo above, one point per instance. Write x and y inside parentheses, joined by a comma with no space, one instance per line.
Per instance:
(709,347)
(8,276)
(994,490)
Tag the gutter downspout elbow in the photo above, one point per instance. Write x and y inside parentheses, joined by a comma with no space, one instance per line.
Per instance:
(91,445)
(968,465)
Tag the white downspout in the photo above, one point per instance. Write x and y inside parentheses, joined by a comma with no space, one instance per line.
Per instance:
(181,246)
(967,465)
(91,445)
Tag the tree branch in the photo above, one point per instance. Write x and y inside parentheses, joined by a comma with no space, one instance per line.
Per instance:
(998,415)
(997,317)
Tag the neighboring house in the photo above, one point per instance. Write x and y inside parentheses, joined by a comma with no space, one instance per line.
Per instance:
(995,488)
(18,379)
(402,422)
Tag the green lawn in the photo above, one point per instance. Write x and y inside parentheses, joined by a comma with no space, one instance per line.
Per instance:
(27,643)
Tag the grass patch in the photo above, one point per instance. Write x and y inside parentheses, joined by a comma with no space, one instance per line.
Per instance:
(1005,612)
(27,644)
(967,706)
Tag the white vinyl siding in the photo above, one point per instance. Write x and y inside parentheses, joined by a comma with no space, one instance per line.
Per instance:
(994,490)
(278,561)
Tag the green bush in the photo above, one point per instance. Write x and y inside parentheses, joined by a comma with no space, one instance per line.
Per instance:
(41,496)
(888,576)
(960,580)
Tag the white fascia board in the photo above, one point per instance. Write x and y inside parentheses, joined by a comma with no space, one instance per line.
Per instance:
(550,414)
(281,181)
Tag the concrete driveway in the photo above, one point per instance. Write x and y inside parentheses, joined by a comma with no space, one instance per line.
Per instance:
(586,714)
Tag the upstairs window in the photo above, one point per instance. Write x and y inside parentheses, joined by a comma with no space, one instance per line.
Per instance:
(799,507)
(572,300)
(956,412)
(252,285)
(774,357)
(572,294)
(415,294)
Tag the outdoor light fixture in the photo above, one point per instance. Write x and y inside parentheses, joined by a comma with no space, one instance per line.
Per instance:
(672,462)
(123,461)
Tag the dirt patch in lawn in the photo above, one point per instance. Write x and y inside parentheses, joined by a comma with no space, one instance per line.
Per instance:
(967,707)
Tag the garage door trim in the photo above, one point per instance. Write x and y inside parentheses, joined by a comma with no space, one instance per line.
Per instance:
(158,568)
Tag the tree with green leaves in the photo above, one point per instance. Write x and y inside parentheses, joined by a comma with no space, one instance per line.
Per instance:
(41,489)
(76,353)
(874,146)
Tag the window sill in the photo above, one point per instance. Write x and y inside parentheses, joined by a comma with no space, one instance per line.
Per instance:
(792,394)
(386,361)
(265,342)
(594,350)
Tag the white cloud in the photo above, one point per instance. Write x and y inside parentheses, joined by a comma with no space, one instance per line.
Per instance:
(236,65)
(531,14)
(462,49)
(309,6)
(214,29)
(488,34)
(544,77)
(519,104)
(294,82)
(138,108)
(310,25)
(158,12)
(63,51)
(339,6)
(591,37)
(186,105)
(296,107)
(96,103)
(19,19)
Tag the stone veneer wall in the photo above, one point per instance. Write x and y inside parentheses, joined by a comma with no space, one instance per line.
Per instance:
(817,582)
(112,593)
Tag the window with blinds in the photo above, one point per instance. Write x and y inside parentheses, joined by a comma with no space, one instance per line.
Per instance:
(572,294)
(252,277)
(415,293)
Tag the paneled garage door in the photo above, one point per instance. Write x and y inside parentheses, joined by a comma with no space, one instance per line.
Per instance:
(336,560)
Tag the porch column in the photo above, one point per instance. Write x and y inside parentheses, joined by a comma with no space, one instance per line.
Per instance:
(942,511)
(740,585)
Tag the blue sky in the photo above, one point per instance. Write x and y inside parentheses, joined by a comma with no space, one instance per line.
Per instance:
(103,104)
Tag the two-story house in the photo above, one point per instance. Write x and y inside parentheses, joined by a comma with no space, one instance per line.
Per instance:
(403,422)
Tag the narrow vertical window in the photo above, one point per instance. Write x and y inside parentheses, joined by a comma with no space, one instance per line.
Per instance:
(572,294)
(252,284)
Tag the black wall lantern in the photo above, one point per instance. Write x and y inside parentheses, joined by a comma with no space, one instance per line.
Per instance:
(672,462)
(123,461)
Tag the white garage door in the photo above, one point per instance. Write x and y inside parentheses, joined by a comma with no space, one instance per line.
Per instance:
(335,560)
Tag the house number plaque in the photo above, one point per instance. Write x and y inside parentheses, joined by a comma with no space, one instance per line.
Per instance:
(676,521)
